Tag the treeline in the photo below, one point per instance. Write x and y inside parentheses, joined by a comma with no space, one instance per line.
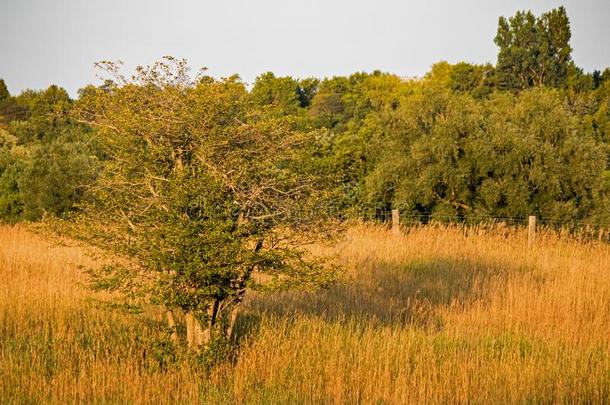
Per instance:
(46,158)
(530,135)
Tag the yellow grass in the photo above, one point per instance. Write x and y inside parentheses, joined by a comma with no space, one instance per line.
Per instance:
(437,315)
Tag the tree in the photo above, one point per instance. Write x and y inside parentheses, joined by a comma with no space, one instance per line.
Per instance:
(307,90)
(54,177)
(12,160)
(283,93)
(47,158)
(533,51)
(338,101)
(6,103)
(426,166)
(4,94)
(474,79)
(41,115)
(202,195)
(539,159)
(454,157)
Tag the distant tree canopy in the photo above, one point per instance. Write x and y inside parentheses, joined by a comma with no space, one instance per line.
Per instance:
(4,94)
(504,157)
(6,102)
(528,135)
(284,94)
(533,51)
(477,80)
(46,158)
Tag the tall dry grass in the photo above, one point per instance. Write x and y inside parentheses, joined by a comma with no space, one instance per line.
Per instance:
(56,346)
(440,314)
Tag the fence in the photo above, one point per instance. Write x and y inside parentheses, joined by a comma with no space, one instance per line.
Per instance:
(584,229)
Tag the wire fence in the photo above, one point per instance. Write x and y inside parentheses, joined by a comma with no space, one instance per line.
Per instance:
(581,228)
(407,218)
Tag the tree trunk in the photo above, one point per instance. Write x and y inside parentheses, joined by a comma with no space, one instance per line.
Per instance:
(171,323)
(240,294)
(190,321)
(232,318)
(203,335)
(211,322)
(199,334)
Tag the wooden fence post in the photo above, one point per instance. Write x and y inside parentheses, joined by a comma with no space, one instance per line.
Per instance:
(171,323)
(531,231)
(396,221)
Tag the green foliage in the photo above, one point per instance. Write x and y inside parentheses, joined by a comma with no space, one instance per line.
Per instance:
(352,111)
(307,90)
(4,94)
(280,92)
(12,160)
(284,94)
(6,104)
(54,177)
(202,190)
(533,51)
(477,80)
(509,156)
(46,158)
(331,105)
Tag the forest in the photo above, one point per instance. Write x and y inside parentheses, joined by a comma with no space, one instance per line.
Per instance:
(466,142)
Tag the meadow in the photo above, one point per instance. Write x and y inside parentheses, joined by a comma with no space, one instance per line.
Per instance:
(438,314)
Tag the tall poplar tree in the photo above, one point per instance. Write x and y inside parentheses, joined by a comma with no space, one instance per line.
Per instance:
(533,51)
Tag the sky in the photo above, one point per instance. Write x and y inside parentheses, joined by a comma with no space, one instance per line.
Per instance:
(45,42)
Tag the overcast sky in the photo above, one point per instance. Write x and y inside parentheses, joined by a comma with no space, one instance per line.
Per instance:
(45,42)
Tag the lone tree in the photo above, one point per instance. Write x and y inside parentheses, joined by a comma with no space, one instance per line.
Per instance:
(201,192)
(533,51)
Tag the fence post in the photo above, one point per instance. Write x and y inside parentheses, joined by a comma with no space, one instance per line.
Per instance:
(395,221)
(531,230)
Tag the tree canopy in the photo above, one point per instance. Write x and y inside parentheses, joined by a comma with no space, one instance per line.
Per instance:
(534,51)
(4,94)
(202,191)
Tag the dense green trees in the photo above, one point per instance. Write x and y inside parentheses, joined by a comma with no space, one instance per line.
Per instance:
(46,158)
(283,94)
(280,92)
(528,135)
(456,144)
(477,80)
(508,156)
(6,103)
(533,51)
(12,160)
(4,94)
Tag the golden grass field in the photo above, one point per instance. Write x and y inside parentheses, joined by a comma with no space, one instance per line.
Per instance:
(440,314)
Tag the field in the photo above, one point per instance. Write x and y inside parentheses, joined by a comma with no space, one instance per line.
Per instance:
(440,314)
